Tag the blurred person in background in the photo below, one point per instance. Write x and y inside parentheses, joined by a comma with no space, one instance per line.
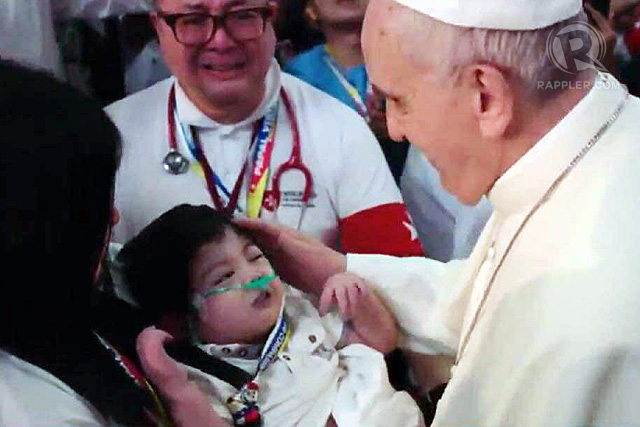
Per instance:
(336,67)
(293,31)
(27,27)
(626,23)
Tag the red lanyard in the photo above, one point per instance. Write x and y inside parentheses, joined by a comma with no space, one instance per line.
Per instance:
(211,181)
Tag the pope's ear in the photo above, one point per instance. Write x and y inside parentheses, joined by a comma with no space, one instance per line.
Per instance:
(493,99)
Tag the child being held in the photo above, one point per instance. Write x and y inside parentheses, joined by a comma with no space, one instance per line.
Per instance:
(194,268)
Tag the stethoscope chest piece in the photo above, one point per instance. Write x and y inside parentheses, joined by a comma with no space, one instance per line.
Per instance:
(175,163)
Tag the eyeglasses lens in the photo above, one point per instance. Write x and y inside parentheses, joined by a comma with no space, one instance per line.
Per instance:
(198,29)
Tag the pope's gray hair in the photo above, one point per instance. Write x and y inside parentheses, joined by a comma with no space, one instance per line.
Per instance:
(520,54)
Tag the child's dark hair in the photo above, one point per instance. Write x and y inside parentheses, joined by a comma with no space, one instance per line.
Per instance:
(155,263)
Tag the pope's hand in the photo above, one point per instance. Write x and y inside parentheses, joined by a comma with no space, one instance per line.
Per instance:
(298,259)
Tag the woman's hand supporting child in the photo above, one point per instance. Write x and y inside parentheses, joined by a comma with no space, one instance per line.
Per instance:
(188,405)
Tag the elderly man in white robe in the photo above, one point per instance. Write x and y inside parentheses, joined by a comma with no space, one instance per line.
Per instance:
(543,318)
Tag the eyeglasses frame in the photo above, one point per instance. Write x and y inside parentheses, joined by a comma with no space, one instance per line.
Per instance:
(219,20)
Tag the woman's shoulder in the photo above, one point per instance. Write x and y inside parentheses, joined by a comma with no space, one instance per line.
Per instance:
(305,62)
(29,394)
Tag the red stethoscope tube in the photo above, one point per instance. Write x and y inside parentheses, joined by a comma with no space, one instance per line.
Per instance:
(295,160)
(293,163)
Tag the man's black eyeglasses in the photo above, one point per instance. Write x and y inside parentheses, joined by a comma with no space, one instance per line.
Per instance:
(196,28)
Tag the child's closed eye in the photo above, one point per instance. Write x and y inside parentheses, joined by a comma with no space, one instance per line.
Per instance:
(256,257)
(223,278)
(253,254)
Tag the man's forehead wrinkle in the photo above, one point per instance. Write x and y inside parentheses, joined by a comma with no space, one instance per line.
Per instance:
(189,5)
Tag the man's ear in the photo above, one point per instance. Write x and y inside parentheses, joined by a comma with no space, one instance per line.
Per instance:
(155,22)
(494,99)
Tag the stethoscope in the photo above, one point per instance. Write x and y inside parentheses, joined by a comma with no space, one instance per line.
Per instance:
(175,163)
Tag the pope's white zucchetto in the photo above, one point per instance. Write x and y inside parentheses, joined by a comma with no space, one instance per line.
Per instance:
(497,14)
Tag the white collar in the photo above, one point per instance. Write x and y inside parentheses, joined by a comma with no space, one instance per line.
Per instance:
(524,183)
(190,115)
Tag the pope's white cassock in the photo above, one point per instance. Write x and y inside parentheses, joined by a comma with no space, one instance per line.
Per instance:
(557,340)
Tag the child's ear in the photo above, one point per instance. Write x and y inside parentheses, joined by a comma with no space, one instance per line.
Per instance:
(175,323)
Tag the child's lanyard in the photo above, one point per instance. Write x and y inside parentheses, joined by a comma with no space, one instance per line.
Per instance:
(244,404)
(361,105)
(264,136)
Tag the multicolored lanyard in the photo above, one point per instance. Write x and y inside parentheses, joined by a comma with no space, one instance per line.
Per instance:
(361,105)
(261,160)
(243,405)
(264,137)
(160,415)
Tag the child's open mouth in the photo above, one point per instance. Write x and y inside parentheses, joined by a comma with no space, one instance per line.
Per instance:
(263,300)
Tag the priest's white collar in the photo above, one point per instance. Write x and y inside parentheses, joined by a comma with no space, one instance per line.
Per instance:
(190,115)
(524,183)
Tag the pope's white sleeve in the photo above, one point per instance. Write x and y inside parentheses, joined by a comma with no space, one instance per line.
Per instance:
(67,9)
(420,293)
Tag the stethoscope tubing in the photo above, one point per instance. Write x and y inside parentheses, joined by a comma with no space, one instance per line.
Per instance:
(294,162)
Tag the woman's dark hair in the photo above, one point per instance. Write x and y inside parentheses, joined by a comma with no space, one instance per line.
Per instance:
(291,24)
(59,158)
(155,263)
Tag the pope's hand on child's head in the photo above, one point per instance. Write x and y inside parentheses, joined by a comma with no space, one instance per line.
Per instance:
(347,291)
(298,259)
